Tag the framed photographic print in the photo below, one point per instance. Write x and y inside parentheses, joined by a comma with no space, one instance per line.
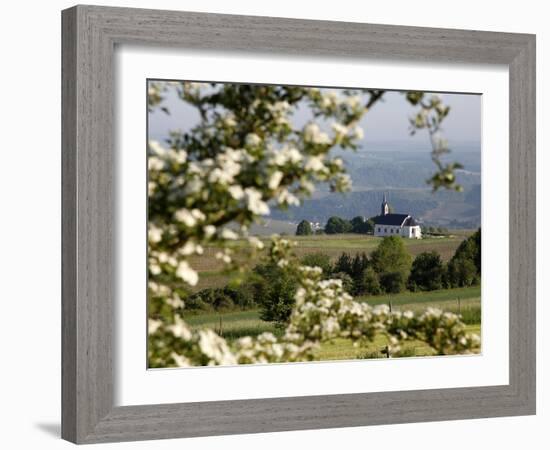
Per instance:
(278,224)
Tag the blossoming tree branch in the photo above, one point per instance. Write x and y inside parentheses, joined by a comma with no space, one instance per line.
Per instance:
(244,157)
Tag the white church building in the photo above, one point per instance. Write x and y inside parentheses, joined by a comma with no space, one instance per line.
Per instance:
(390,224)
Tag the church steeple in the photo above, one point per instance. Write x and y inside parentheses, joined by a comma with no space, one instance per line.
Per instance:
(384,208)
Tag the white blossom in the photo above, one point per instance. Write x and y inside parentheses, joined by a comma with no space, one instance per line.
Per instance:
(198,214)
(221,176)
(154,268)
(175,302)
(229,120)
(180,329)
(162,257)
(314,135)
(184,216)
(339,130)
(153,326)
(285,155)
(286,198)
(256,243)
(253,140)
(151,188)
(338,162)
(275,179)
(157,148)
(229,234)
(307,186)
(193,185)
(236,191)
(224,256)
(315,164)
(154,163)
(189,248)
(209,231)
(357,132)
(178,156)
(194,168)
(282,263)
(329,99)
(154,234)
(187,274)
(280,107)
(343,182)
(180,361)
(255,203)
(216,348)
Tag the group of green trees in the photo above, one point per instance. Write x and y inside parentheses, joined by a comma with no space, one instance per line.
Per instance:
(242,296)
(386,270)
(464,268)
(389,269)
(338,225)
(304,228)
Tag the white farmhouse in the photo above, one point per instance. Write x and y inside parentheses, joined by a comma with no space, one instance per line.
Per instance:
(389,224)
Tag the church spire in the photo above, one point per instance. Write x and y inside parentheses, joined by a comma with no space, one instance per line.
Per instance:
(384,208)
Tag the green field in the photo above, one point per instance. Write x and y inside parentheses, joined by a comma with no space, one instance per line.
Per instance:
(212,274)
(233,325)
(464,301)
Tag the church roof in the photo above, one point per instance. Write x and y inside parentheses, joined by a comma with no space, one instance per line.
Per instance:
(390,219)
(410,222)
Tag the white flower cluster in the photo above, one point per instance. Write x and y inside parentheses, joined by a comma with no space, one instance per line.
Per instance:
(287,155)
(189,218)
(279,111)
(332,102)
(187,274)
(266,348)
(255,202)
(314,135)
(324,311)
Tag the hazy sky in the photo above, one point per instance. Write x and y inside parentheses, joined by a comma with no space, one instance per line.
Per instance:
(385,125)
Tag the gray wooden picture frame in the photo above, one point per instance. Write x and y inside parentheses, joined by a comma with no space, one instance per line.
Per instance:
(90,34)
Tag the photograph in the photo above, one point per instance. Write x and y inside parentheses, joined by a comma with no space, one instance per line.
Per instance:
(294,223)
(258,225)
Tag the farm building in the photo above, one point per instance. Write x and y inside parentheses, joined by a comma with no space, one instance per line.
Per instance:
(390,224)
